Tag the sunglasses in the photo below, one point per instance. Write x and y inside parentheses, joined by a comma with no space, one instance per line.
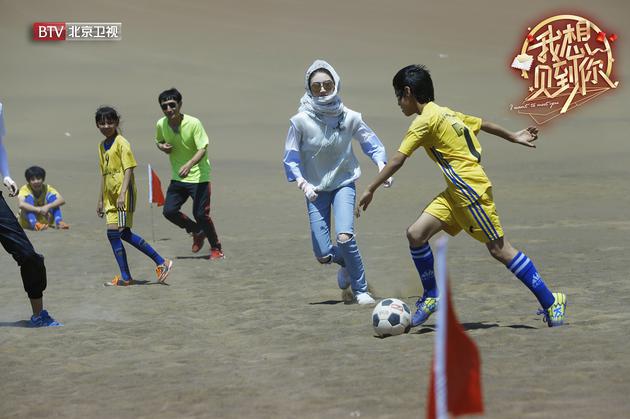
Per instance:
(167,105)
(327,85)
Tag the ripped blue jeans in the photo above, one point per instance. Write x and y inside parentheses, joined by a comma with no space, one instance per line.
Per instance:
(339,203)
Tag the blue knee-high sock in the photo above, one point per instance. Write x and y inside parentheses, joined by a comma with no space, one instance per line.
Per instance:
(139,243)
(423,259)
(30,216)
(524,269)
(56,212)
(119,253)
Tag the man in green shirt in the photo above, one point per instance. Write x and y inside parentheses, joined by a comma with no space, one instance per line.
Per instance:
(185,141)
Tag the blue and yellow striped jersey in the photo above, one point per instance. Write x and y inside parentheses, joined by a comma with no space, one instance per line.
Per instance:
(449,139)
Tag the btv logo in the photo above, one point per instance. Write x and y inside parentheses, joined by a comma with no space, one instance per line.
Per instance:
(49,31)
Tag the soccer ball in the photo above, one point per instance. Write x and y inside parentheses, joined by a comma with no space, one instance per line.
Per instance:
(391,317)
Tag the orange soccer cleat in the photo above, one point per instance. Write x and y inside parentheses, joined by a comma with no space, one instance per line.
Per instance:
(162,271)
(62,225)
(117,282)
(216,254)
(40,226)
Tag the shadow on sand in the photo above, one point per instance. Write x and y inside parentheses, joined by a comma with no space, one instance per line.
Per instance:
(193,257)
(327,302)
(19,323)
(472,326)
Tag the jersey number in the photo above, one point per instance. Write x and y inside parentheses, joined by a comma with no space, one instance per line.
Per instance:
(462,129)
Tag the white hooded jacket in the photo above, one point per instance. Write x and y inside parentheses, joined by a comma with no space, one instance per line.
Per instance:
(318,147)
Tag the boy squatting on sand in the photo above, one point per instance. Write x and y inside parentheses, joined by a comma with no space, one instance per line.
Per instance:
(40,203)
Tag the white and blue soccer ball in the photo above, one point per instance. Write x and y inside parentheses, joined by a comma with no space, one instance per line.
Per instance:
(391,317)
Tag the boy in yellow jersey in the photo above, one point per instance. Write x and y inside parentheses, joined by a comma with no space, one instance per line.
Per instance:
(117,197)
(449,138)
(40,202)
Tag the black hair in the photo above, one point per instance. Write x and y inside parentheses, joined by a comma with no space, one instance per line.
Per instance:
(107,114)
(418,79)
(170,94)
(35,172)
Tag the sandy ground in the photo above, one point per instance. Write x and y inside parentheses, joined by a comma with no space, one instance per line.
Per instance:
(263,333)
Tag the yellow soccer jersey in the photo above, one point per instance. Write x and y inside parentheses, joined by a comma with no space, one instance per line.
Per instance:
(41,199)
(113,163)
(449,139)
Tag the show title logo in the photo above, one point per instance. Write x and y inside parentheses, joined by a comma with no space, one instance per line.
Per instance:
(567,60)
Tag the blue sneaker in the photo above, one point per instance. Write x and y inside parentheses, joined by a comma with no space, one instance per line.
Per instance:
(343,278)
(554,315)
(426,306)
(43,319)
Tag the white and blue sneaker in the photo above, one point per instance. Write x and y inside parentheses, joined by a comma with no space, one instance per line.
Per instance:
(43,319)
(364,298)
(343,278)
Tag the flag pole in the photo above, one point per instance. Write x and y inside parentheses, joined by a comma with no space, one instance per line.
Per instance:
(152,229)
(151,203)
(456,372)
(441,396)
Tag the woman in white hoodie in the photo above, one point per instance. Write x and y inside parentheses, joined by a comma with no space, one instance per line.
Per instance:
(318,156)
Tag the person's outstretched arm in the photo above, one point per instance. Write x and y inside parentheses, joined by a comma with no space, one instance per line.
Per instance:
(4,163)
(292,163)
(524,137)
(388,171)
(372,147)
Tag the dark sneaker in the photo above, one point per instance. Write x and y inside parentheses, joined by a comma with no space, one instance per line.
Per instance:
(198,239)
(43,319)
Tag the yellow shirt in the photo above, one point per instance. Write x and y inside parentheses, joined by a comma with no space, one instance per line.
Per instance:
(449,139)
(113,163)
(41,199)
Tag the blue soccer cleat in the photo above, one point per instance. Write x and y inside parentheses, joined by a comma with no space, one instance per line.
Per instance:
(554,315)
(426,306)
(43,319)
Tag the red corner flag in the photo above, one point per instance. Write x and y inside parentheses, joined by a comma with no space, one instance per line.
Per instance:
(455,385)
(155,188)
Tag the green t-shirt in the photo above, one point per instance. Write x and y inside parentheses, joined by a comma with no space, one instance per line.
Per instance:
(190,139)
